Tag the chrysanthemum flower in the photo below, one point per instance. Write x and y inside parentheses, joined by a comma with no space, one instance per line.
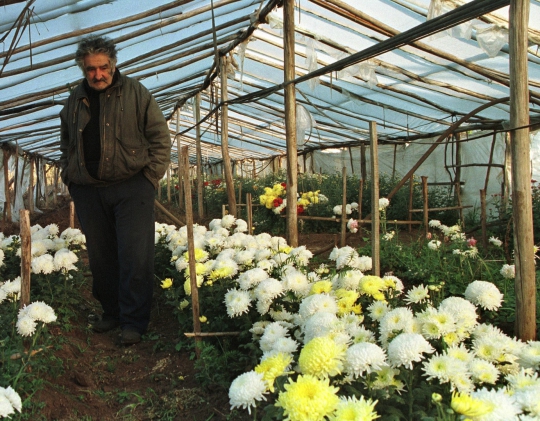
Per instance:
(319,324)
(407,348)
(469,406)
(322,357)
(434,244)
(529,356)
(371,285)
(26,326)
(508,271)
(13,397)
(273,367)
(43,264)
(269,289)
(320,287)
(495,241)
(417,294)
(364,357)
(378,309)
(503,406)
(237,302)
(353,409)
(483,371)
(38,311)
(463,311)
(246,390)
(386,377)
(442,367)
(308,399)
(485,294)
(297,282)
(317,303)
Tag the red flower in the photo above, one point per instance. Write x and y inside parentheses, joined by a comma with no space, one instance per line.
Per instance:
(284,185)
(299,209)
(176,187)
(206,184)
(278,201)
(216,182)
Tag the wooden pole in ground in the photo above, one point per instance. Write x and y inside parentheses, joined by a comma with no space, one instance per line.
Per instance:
(289,67)
(31,186)
(525,281)
(71,214)
(360,197)
(343,238)
(55,192)
(375,216)
(249,210)
(200,181)
(225,138)
(483,217)
(411,197)
(169,185)
(179,158)
(239,200)
(7,206)
(26,256)
(191,251)
(425,205)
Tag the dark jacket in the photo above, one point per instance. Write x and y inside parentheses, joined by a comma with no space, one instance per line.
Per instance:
(134,135)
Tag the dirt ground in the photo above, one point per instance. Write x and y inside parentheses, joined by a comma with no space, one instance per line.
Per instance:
(103,380)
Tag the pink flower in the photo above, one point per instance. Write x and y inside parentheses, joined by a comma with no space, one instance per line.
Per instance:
(428,236)
(471,242)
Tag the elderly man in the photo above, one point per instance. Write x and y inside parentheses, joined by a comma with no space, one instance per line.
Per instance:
(115,146)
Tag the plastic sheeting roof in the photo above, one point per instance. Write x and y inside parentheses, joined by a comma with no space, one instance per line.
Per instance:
(412,92)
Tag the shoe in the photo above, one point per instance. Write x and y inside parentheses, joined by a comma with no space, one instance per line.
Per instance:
(102,326)
(130,337)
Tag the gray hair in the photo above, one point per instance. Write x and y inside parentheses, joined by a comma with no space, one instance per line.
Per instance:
(94,44)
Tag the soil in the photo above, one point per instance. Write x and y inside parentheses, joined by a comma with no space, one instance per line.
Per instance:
(103,380)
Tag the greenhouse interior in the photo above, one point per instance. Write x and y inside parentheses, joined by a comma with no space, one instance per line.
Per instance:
(355,184)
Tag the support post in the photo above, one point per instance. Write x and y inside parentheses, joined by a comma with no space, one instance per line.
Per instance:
(26,256)
(225,138)
(200,181)
(249,210)
(425,205)
(375,216)
(290,122)
(525,281)
(483,217)
(71,214)
(343,208)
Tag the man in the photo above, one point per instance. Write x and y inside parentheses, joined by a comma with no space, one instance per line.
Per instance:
(115,146)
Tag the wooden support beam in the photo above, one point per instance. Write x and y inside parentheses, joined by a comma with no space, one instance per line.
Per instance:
(375,228)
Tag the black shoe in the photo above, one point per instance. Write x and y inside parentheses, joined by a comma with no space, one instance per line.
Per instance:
(102,326)
(130,337)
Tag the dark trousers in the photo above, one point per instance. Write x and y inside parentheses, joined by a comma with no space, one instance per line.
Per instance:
(118,222)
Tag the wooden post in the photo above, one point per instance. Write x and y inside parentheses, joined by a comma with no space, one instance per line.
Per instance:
(525,325)
(343,208)
(483,221)
(238,210)
(198,148)
(71,214)
(290,121)
(191,251)
(7,205)
(179,158)
(249,210)
(26,256)
(363,164)
(457,178)
(425,197)
(169,185)
(56,177)
(411,198)
(31,186)
(360,197)
(225,138)
(375,216)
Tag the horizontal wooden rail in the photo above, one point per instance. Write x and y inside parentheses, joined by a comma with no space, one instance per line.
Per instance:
(441,209)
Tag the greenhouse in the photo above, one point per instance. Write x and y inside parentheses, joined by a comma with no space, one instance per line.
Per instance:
(354,184)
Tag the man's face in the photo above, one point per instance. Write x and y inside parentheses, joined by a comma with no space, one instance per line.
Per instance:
(98,71)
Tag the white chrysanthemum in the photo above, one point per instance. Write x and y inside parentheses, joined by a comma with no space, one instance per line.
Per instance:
(434,244)
(241,226)
(488,348)
(463,311)
(349,279)
(12,287)
(269,289)
(434,223)
(258,327)
(26,326)
(6,409)
(228,221)
(360,334)
(251,278)
(7,241)
(65,259)
(443,368)
(246,390)
(319,324)
(245,257)
(383,203)
(483,371)
(13,397)
(504,406)
(399,287)
(460,352)
(364,357)
(225,268)
(301,255)
(263,306)
(263,254)
(237,302)
(397,320)
(378,309)
(38,311)
(407,348)
(3,295)
(272,333)
(43,264)
(285,345)
(529,356)
(508,271)
(39,248)
(485,294)
(280,258)
(2,255)
(362,263)
(317,303)
(73,236)
(296,282)
(495,241)
(266,265)
(417,294)
(529,401)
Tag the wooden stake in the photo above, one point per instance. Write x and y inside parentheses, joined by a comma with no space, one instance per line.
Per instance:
(343,208)
(425,197)
(375,221)
(26,256)
(200,181)
(71,214)
(31,186)
(483,218)
(225,138)
(249,210)
(191,251)
(290,121)
(525,281)
(411,197)
(7,206)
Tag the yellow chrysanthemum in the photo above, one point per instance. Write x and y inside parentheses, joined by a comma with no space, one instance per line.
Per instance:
(352,409)
(184,303)
(322,357)
(200,255)
(273,367)
(321,287)
(371,285)
(470,407)
(308,399)
(220,273)
(278,189)
(166,283)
